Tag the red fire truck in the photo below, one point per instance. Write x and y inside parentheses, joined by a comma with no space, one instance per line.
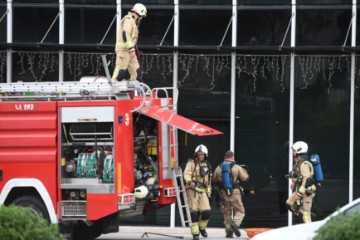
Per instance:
(83,153)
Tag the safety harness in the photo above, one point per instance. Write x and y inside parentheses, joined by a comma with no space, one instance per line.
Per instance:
(310,187)
(204,171)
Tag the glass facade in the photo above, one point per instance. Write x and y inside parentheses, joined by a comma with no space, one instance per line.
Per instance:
(262,131)
(320,92)
(262,27)
(322,106)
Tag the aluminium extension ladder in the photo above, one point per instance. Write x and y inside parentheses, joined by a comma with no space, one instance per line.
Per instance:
(182,201)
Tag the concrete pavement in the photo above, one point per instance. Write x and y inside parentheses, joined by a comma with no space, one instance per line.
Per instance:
(158,233)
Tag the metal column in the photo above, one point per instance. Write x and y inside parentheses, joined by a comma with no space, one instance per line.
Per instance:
(292,94)
(352,102)
(233,76)
(118,18)
(9,39)
(175,84)
(61,39)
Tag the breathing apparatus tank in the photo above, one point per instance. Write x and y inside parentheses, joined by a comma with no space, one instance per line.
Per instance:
(318,174)
(226,177)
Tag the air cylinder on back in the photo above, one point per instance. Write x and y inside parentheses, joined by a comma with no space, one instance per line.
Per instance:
(318,174)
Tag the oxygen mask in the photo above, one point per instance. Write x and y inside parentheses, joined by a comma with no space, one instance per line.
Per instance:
(204,171)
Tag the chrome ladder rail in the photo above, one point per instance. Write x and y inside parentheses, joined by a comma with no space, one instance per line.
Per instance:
(181,197)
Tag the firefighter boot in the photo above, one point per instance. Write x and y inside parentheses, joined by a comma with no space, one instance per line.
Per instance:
(203,232)
(229,233)
(235,229)
(196,237)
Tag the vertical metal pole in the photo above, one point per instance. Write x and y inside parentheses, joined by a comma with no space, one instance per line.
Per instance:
(352,102)
(176,53)
(61,39)
(175,84)
(9,39)
(118,18)
(233,76)
(292,95)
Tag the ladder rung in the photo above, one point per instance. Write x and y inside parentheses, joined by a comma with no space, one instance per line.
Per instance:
(181,191)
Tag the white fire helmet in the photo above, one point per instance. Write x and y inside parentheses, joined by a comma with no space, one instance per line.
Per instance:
(140,9)
(300,147)
(201,149)
(141,192)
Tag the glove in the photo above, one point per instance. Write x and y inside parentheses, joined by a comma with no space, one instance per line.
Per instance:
(216,189)
(244,167)
(208,194)
(139,53)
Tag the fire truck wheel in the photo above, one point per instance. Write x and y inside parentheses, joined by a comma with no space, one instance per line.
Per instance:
(33,203)
(84,232)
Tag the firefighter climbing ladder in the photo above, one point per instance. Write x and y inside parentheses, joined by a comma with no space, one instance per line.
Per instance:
(181,197)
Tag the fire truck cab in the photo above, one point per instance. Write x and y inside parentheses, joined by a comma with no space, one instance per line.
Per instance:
(83,153)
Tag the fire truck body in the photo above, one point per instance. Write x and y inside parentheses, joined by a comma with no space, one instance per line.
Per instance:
(84,161)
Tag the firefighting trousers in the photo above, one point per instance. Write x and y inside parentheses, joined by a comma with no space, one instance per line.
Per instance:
(123,62)
(199,207)
(302,206)
(232,208)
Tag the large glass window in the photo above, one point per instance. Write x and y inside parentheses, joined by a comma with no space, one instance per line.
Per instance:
(322,27)
(206,27)
(264,2)
(35,66)
(153,28)
(2,66)
(3,28)
(157,69)
(357,133)
(147,2)
(322,97)
(324,2)
(262,131)
(84,26)
(32,24)
(205,2)
(204,96)
(36,1)
(262,27)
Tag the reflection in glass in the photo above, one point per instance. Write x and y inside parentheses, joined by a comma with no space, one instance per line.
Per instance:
(357,132)
(322,27)
(31,25)
(262,27)
(262,130)
(322,97)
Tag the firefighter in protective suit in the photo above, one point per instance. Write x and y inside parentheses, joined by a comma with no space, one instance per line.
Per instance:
(232,205)
(197,176)
(126,41)
(302,185)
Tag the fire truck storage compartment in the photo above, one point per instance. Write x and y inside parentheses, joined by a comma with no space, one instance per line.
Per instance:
(87,140)
(146,154)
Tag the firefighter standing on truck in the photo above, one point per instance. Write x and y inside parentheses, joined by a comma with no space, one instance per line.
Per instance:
(197,175)
(302,185)
(232,205)
(126,41)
